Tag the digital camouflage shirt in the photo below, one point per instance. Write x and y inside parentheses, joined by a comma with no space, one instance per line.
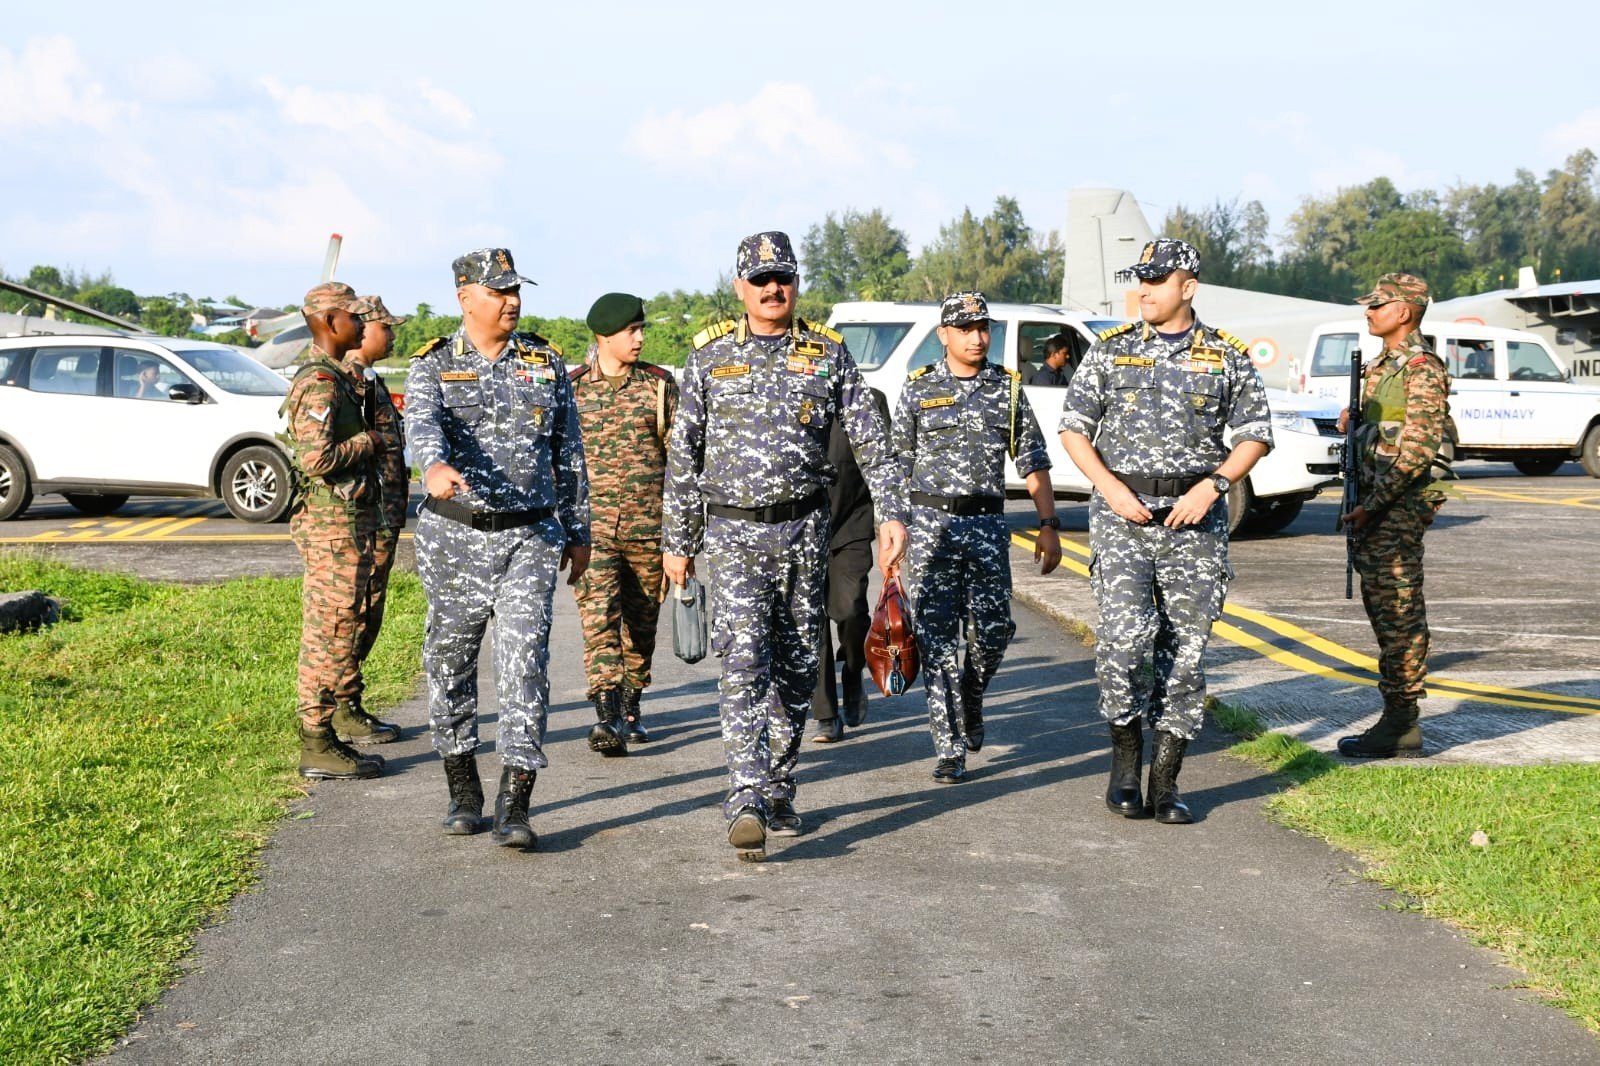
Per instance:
(1167,409)
(1405,417)
(955,433)
(509,427)
(338,489)
(753,427)
(625,432)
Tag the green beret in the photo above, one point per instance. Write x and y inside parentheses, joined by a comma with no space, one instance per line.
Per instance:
(614,312)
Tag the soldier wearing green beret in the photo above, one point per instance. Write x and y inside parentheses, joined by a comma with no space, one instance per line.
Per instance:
(626,407)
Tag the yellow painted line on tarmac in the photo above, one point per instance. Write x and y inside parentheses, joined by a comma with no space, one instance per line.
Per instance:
(85,525)
(1523,497)
(1440,686)
(119,522)
(173,527)
(140,527)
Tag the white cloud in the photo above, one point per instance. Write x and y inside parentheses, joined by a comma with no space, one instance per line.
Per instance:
(780,124)
(447,104)
(1582,132)
(47,84)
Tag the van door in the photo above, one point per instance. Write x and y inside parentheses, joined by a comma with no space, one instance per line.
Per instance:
(66,439)
(1542,409)
(1476,391)
(1046,400)
(161,441)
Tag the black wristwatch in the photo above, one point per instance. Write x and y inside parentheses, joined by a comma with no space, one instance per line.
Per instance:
(1053,522)
(1221,483)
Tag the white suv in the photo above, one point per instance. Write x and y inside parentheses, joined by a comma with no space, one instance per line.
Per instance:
(100,418)
(889,340)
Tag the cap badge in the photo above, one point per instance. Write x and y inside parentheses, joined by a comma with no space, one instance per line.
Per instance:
(501,258)
(767,252)
(1149,253)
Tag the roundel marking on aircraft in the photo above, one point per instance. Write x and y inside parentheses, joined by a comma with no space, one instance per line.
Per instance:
(1263,352)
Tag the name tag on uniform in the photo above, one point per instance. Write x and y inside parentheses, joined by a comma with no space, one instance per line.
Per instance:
(938,401)
(459,375)
(1132,360)
(809,348)
(535,358)
(799,364)
(732,370)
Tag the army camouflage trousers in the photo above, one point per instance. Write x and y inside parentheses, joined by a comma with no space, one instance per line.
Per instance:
(619,605)
(766,606)
(958,575)
(334,597)
(1388,557)
(1158,591)
(473,577)
(369,613)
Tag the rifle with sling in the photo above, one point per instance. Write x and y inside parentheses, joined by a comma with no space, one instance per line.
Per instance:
(1348,466)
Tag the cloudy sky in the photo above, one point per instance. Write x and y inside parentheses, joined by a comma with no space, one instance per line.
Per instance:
(629,146)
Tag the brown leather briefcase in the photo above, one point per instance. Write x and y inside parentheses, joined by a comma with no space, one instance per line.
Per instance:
(891,648)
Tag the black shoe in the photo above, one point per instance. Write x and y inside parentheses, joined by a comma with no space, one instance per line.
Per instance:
(827,730)
(972,712)
(606,735)
(949,771)
(465,816)
(632,719)
(1396,735)
(1127,758)
(1163,801)
(855,700)
(784,820)
(748,833)
(511,828)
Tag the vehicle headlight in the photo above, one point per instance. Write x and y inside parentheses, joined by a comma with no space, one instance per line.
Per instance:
(1294,421)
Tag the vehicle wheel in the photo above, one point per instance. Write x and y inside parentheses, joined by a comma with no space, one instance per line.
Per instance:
(1275,517)
(1589,454)
(94,505)
(255,484)
(1540,466)
(1240,500)
(15,491)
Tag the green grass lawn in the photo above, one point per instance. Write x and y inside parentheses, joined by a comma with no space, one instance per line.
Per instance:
(1533,892)
(148,750)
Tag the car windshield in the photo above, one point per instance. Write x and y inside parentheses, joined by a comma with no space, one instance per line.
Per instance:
(871,342)
(235,372)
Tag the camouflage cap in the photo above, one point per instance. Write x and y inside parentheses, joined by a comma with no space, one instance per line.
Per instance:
(1404,288)
(963,309)
(1164,255)
(766,253)
(381,314)
(488,266)
(331,296)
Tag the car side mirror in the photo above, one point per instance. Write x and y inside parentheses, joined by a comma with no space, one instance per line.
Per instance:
(186,393)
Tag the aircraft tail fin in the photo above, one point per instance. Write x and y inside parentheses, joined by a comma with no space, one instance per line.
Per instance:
(1105,231)
(1526,279)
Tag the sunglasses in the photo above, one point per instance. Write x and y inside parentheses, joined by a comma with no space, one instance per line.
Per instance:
(761,280)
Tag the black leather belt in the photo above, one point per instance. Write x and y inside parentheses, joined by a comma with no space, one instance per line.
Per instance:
(962,506)
(1160,486)
(786,511)
(486,521)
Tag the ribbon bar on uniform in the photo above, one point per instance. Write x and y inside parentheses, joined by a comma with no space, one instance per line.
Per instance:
(961,506)
(486,521)
(787,511)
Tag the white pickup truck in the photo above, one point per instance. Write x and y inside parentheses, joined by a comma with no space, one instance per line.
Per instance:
(889,340)
(1510,395)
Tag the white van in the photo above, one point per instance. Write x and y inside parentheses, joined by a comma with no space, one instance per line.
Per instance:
(889,340)
(1511,396)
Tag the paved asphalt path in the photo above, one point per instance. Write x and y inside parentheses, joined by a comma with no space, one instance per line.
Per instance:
(1010,918)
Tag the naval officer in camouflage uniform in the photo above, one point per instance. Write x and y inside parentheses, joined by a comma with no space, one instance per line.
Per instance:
(1163,417)
(626,408)
(956,423)
(1405,439)
(335,523)
(494,429)
(748,472)
(394,487)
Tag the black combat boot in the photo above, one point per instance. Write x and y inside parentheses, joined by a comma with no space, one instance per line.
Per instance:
(355,726)
(465,816)
(1127,759)
(1166,759)
(972,710)
(1396,735)
(855,699)
(324,757)
(632,718)
(511,828)
(606,735)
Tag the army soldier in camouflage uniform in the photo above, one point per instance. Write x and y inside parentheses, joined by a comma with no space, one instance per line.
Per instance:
(494,429)
(1145,419)
(748,471)
(626,408)
(1405,425)
(334,523)
(956,423)
(394,486)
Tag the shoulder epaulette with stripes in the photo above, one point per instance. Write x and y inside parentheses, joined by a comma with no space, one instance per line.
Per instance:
(430,347)
(918,372)
(817,327)
(1107,334)
(711,333)
(1230,339)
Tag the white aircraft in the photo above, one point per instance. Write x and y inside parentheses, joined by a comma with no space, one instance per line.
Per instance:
(1106,230)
